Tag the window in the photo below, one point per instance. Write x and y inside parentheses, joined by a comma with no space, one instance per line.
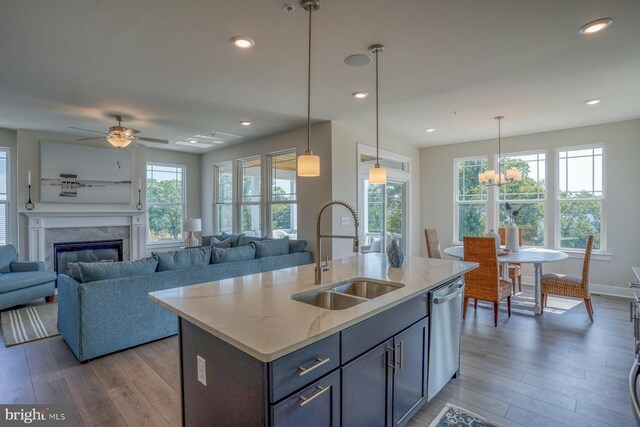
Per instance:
(165,202)
(581,197)
(224,197)
(4,196)
(283,206)
(470,198)
(526,197)
(250,171)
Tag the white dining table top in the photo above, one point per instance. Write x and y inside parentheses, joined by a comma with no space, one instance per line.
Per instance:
(523,256)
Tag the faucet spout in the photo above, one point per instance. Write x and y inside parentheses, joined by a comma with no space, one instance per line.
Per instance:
(319,236)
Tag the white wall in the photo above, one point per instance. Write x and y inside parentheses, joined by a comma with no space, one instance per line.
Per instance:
(345,139)
(8,138)
(622,175)
(28,159)
(312,192)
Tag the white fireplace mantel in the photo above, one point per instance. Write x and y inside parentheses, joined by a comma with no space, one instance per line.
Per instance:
(39,221)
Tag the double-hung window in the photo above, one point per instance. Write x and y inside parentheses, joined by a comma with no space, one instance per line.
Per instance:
(165,202)
(525,197)
(4,196)
(283,207)
(224,197)
(470,198)
(250,198)
(581,197)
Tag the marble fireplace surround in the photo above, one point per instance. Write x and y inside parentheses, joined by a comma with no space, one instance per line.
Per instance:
(45,228)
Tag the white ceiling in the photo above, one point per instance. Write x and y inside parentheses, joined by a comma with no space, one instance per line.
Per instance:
(170,67)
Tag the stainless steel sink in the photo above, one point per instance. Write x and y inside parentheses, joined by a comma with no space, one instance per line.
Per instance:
(366,288)
(329,300)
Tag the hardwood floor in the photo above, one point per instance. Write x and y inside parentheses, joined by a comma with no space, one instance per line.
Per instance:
(558,369)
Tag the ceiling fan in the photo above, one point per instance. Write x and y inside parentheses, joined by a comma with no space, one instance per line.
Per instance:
(120,136)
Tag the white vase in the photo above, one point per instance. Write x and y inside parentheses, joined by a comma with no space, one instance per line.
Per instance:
(512,238)
(496,236)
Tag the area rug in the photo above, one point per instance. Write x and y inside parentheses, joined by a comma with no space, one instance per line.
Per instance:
(455,416)
(30,323)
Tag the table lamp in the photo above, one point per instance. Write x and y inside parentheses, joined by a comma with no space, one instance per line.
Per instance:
(190,225)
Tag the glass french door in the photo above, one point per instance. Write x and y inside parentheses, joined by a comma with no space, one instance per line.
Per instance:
(384,214)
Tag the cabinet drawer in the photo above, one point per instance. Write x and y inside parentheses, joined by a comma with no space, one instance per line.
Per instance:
(316,405)
(371,332)
(301,367)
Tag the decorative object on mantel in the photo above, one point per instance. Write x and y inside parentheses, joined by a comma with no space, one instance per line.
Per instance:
(455,416)
(190,225)
(309,163)
(496,236)
(29,206)
(395,254)
(75,173)
(35,322)
(512,235)
(139,205)
(377,174)
(490,178)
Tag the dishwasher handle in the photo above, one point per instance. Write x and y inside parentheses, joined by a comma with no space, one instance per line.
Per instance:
(632,388)
(449,297)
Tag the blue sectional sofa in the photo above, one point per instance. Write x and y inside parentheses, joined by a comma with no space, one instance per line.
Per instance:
(23,281)
(105,308)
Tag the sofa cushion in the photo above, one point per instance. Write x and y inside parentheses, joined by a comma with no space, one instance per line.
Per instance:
(184,258)
(13,281)
(241,253)
(74,271)
(206,240)
(297,246)
(95,271)
(272,247)
(235,238)
(8,255)
(246,240)
(215,243)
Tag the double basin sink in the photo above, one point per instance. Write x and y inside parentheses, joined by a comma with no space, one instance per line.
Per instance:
(347,294)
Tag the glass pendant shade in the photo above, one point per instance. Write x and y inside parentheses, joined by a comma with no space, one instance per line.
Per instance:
(514,175)
(118,141)
(308,164)
(377,175)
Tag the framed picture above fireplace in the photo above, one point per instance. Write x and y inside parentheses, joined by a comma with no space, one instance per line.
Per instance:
(75,173)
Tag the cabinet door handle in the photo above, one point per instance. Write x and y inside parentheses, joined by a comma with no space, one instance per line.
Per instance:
(400,352)
(319,362)
(307,400)
(391,358)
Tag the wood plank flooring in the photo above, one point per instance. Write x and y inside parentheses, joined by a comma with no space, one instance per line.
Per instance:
(555,370)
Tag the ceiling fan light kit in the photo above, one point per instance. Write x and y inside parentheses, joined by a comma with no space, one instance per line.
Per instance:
(120,136)
(377,174)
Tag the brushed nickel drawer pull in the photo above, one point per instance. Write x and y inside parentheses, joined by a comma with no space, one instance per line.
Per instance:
(321,390)
(319,362)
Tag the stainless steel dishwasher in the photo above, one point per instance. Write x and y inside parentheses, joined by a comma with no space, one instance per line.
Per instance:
(444,334)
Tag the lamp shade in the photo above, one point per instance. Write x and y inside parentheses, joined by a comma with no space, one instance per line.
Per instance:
(308,164)
(377,175)
(192,224)
(118,141)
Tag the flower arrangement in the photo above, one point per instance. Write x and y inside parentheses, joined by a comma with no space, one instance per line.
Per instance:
(512,213)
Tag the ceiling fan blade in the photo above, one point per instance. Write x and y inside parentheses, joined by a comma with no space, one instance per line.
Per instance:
(144,138)
(89,139)
(87,130)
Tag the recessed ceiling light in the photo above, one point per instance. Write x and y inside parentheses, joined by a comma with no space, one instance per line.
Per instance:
(357,60)
(193,141)
(430,130)
(595,26)
(592,101)
(243,42)
(360,95)
(246,123)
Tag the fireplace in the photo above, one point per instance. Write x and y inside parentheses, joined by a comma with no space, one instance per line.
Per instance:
(94,251)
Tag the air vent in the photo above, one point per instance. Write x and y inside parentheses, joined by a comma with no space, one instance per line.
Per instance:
(215,139)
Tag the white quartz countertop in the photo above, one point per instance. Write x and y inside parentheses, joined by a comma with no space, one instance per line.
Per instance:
(257,315)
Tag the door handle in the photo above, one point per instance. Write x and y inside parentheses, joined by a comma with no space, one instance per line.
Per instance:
(454,295)
(391,357)
(307,400)
(399,350)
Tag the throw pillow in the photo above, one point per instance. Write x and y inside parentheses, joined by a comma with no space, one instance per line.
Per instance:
(273,247)
(185,258)
(94,271)
(241,253)
(215,243)
(74,271)
(245,240)
(206,240)
(297,246)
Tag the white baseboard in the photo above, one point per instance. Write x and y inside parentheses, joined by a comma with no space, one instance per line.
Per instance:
(595,288)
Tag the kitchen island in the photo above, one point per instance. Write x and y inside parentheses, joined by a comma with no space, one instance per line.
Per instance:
(253,355)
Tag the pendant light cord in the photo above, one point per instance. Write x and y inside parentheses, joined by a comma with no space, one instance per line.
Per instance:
(377,115)
(309,88)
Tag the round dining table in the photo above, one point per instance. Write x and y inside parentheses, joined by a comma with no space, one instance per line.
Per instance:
(535,256)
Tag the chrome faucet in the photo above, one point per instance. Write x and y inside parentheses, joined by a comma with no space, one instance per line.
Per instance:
(319,236)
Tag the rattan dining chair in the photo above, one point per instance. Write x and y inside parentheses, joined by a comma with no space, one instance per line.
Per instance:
(570,286)
(433,244)
(515,269)
(484,283)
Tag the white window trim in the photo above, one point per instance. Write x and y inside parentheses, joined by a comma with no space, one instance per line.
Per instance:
(167,243)
(597,253)
(457,202)
(268,228)
(216,190)
(238,194)
(7,203)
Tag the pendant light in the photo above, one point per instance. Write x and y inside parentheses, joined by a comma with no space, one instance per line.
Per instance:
(309,163)
(377,174)
(490,178)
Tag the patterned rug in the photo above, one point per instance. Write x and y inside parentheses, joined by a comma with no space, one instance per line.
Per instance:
(455,416)
(29,323)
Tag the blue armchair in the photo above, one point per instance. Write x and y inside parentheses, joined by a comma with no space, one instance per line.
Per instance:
(23,281)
